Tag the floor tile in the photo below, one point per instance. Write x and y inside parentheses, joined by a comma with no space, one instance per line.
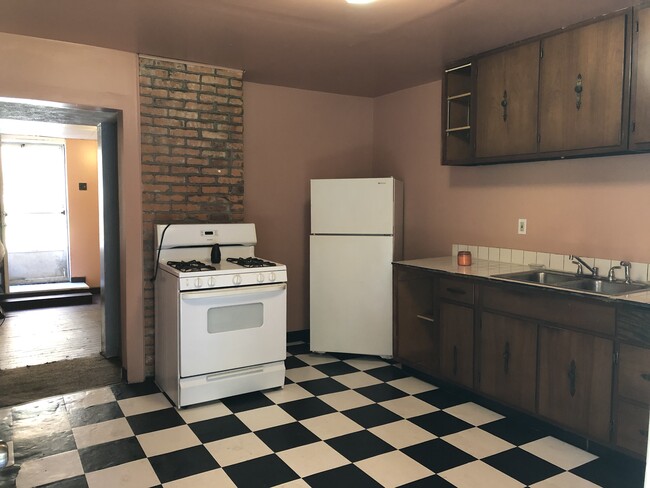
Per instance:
(477,474)
(307,373)
(359,445)
(307,408)
(433,481)
(157,420)
(477,442)
(293,362)
(249,401)
(297,483)
(346,400)
(313,359)
(48,469)
(265,417)
(615,472)
(74,482)
(312,458)
(131,390)
(393,469)
(348,475)
(357,380)
(513,430)
(287,394)
(6,424)
(408,406)
(366,363)
(215,478)
(412,385)
(559,453)
(237,449)
(110,430)
(402,434)
(387,373)
(331,425)
(180,464)
(438,455)
(85,399)
(95,414)
(287,436)
(323,386)
(442,398)
(219,428)
(522,466)
(144,404)
(168,440)
(298,348)
(336,368)
(371,415)
(381,392)
(473,414)
(204,412)
(110,454)
(564,480)
(260,472)
(440,423)
(30,447)
(135,474)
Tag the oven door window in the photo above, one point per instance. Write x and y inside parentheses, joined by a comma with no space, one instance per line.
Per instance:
(235,317)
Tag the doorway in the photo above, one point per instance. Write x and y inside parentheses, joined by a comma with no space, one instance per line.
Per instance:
(35,217)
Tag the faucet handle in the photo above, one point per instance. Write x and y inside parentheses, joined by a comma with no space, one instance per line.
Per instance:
(579,271)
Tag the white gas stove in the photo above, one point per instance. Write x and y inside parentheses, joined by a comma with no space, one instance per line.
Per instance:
(220,313)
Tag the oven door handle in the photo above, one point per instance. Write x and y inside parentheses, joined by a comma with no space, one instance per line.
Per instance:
(218,293)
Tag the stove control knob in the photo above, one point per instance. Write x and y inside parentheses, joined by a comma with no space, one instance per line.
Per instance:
(260,278)
(211,281)
(236,280)
(198,282)
(272,277)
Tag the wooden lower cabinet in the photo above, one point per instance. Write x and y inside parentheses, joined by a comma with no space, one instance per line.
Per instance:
(508,360)
(457,343)
(575,381)
(632,427)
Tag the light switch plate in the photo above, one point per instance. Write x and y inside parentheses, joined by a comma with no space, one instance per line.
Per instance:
(521,226)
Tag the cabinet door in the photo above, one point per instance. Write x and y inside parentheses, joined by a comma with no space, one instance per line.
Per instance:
(416,333)
(508,360)
(575,381)
(634,373)
(581,87)
(640,106)
(457,343)
(506,113)
(632,427)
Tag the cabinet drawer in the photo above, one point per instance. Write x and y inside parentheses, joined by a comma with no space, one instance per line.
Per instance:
(457,290)
(561,309)
(632,427)
(633,324)
(634,373)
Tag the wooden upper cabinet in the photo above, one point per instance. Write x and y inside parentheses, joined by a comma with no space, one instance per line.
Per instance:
(640,106)
(581,92)
(506,102)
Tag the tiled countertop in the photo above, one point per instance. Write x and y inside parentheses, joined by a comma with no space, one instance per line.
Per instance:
(482,268)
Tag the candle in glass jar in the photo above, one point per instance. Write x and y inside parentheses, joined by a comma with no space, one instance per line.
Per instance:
(464,258)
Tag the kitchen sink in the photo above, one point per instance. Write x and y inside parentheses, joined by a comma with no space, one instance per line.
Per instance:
(569,281)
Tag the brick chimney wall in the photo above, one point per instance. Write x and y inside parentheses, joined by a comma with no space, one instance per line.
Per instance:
(191,122)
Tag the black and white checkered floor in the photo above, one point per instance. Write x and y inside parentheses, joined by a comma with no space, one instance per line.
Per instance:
(340,421)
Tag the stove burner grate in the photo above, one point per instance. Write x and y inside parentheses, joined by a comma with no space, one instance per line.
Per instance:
(190,266)
(251,262)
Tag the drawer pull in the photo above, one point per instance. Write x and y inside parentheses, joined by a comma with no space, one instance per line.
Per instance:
(506,358)
(645,376)
(426,318)
(456,291)
(572,378)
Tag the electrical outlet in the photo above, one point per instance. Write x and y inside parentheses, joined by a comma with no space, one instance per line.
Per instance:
(521,226)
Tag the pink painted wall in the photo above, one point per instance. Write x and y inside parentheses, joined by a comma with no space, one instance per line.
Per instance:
(290,137)
(39,69)
(596,207)
(83,209)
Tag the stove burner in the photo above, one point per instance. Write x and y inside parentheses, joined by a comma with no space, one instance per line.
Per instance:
(190,266)
(251,262)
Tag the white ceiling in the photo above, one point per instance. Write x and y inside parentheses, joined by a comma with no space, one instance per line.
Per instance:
(326,45)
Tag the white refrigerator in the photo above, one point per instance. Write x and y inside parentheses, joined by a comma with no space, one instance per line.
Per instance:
(356,233)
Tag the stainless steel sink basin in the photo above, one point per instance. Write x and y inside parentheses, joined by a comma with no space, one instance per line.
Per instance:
(568,281)
(538,276)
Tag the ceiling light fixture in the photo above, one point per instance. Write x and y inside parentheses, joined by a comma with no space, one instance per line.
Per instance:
(359,2)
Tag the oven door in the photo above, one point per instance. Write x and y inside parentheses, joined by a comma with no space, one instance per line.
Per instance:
(224,329)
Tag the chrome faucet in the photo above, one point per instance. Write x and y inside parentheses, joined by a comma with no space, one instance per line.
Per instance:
(626,266)
(581,263)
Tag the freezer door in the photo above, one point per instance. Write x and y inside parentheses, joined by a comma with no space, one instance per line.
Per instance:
(352,206)
(351,294)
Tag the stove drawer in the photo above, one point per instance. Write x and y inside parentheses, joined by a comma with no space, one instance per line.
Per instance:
(223,329)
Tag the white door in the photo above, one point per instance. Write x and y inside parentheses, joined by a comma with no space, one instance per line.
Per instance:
(34,195)
(362,206)
(351,294)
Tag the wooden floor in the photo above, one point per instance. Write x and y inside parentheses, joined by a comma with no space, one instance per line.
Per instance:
(39,336)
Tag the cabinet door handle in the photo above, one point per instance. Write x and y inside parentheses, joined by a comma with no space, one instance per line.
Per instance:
(572,378)
(455,368)
(456,291)
(578,90)
(504,105)
(645,376)
(506,358)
